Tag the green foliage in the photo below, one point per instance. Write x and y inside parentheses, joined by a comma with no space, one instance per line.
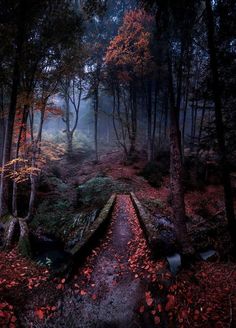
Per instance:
(97,191)
(53,217)
(151,172)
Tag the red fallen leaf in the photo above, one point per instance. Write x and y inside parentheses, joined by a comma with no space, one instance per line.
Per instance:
(39,313)
(171,302)
(63,280)
(141,309)
(83,292)
(157,320)
(12,325)
(60,286)
(149,299)
(2,314)
(13,319)
(159,307)
(183,315)
(94,297)
(53,308)
(196,315)
(153,312)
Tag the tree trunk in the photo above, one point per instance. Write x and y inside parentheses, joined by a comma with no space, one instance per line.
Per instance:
(176,173)
(96,123)
(24,242)
(201,124)
(6,155)
(133,121)
(22,129)
(2,126)
(11,232)
(154,122)
(220,129)
(149,112)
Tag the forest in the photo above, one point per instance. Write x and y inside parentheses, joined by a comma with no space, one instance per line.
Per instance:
(118,163)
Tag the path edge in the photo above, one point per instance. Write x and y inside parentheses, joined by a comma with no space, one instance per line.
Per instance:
(146,223)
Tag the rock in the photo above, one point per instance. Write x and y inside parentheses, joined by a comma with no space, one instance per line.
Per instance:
(166,242)
(174,262)
(209,255)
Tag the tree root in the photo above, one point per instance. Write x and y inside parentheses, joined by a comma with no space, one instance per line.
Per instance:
(22,238)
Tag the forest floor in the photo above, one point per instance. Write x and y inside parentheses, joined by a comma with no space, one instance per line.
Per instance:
(120,285)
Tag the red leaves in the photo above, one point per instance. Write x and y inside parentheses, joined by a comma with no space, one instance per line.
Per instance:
(39,313)
(45,311)
(170,303)
(149,299)
(83,292)
(94,297)
(157,320)
(7,317)
(141,309)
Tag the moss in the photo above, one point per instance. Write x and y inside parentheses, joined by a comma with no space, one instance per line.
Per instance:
(53,217)
(25,247)
(153,204)
(98,190)
(6,218)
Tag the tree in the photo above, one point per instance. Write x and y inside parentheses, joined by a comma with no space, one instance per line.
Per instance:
(220,129)
(130,57)
(34,44)
(174,27)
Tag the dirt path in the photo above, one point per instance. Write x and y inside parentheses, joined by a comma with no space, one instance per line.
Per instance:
(111,290)
(119,285)
(113,295)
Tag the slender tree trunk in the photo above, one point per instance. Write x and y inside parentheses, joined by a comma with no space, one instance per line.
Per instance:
(4,191)
(22,129)
(176,172)
(185,108)
(149,112)
(220,129)
(201,123)
(96,104)
(133,120)
(154,122)
(6,154)
(2,125)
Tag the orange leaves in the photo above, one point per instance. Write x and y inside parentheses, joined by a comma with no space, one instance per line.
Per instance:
(129,51)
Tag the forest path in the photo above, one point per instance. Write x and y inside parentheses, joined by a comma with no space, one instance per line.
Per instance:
(112,286)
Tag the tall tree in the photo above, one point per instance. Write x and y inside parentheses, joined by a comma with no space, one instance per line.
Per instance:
(220,129)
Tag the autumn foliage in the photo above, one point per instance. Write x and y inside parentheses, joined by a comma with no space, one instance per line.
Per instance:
(130,51)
